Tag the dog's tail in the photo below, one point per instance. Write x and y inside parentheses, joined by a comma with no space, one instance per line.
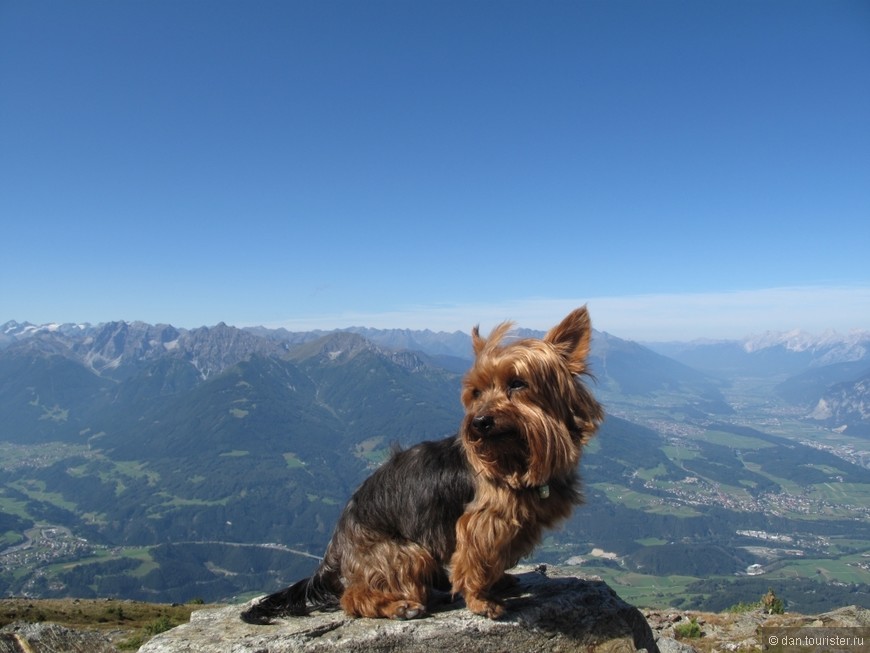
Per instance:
(320,592)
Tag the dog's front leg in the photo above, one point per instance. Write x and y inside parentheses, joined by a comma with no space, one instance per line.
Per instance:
(483,543)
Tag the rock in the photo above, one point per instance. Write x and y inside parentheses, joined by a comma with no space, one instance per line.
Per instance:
(544,614)
(741,631)
(670,645)
(51,638)
(850,616)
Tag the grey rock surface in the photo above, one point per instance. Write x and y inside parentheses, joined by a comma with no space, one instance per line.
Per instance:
(51,638)
(544,614)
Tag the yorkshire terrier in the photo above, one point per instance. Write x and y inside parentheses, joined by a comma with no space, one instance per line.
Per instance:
(459,512)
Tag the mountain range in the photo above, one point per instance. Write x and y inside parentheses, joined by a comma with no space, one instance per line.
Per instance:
(826,375)
(213,461)
(771,353)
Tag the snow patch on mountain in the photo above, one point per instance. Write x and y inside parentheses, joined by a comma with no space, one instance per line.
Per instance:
(831,345)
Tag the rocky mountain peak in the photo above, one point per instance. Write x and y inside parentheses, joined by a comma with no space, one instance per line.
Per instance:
(339,346)
(110,345)
(825,348)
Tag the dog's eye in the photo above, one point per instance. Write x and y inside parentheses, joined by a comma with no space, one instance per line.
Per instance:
(475,393)
(517,384)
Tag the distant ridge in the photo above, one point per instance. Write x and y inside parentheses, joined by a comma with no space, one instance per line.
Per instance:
(770,353)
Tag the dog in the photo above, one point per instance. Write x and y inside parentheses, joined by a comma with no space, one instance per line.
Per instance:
(459,512)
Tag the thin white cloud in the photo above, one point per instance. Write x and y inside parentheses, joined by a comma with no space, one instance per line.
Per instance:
(654,317)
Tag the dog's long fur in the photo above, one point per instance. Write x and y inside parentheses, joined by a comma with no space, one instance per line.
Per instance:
(457,513)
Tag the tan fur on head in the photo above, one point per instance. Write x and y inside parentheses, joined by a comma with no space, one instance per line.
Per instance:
(540,412)
(479,343)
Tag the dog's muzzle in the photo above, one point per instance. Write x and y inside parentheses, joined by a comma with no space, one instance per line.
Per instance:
(489,428)
(483,424)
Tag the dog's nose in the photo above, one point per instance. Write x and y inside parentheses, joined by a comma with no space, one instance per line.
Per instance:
(483,424)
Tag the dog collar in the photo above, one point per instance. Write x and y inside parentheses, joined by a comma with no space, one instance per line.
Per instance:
(544,491)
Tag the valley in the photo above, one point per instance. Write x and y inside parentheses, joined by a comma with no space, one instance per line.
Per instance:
(153,480)
(812,509)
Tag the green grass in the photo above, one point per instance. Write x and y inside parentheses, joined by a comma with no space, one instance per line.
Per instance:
(95,518)
(641,589)
(15,507)
(112,472)
(54,414)
(640,501)
(689,630)
(680,453)
(788,486)
(841,570)
(142,555)
(735,441)
(856,494)
(10,538)
(293,461)
(372,450)
(651,541)
(136,469)
(325,500)
(650,473)
(177,502)
(35,489)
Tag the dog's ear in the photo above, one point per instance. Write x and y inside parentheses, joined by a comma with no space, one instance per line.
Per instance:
(477,342)
(571,337)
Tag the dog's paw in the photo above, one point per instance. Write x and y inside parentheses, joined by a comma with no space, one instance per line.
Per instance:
(404,610)
(485,607)
(257,616)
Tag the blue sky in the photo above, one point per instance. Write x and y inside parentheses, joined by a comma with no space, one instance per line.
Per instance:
(688,169)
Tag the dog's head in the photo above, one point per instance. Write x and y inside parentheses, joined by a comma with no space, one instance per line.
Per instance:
(527,413)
